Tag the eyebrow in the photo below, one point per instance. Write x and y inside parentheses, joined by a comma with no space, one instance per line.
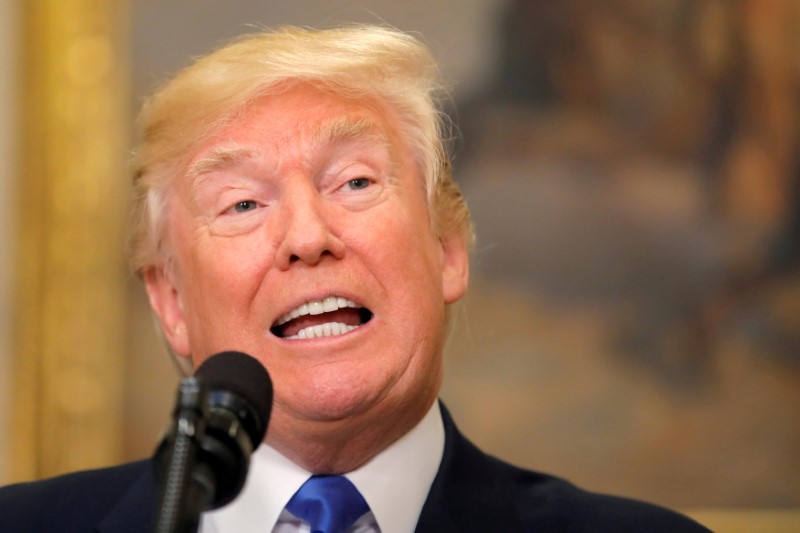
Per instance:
(218,158)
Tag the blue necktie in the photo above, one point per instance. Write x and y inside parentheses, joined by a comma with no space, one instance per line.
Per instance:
(330,504)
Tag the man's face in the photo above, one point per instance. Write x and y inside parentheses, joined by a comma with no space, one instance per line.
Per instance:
(300,235)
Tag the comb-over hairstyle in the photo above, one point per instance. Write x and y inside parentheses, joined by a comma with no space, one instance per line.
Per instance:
(358,62)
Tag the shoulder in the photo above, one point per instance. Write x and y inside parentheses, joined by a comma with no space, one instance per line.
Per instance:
(78,501)
(554,504)
(515,499)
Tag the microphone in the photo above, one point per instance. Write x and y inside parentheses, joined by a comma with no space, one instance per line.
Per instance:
(220,417)
(239,402)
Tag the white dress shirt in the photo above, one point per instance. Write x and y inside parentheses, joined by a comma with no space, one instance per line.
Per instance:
(395,484)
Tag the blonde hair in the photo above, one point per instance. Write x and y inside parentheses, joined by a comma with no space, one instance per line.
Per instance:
(358,61)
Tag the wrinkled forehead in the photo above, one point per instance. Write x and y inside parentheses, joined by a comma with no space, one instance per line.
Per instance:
(303,118)
(227,152)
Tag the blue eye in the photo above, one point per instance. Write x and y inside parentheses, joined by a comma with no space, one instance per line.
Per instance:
(358,183)
(246,205)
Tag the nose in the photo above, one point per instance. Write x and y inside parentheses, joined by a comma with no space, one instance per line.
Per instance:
(307,236)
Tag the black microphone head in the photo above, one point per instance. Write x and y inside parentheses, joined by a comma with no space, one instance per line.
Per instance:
(245,377)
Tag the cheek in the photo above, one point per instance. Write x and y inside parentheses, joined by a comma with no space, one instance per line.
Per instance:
(407,260)
(401,230)
(221,277)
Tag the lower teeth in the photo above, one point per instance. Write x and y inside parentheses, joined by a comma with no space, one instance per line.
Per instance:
(330,329)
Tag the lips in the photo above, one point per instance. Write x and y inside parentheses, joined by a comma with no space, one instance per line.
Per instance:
(329,317)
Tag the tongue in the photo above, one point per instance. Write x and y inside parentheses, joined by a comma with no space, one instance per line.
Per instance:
(347,316)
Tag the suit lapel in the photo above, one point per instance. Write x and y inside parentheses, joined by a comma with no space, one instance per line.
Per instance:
(468,493)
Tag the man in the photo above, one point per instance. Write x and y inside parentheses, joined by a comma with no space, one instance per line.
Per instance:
(294,202)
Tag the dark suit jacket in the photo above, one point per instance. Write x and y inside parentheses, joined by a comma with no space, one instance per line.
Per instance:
(472,492)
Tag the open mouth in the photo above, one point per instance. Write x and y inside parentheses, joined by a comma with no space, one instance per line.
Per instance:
(329,317)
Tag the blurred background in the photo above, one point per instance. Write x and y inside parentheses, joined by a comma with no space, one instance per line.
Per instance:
(633,322)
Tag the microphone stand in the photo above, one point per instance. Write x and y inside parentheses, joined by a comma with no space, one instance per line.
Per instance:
(187,485)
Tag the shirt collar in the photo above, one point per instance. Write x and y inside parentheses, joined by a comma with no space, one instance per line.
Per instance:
(395,483)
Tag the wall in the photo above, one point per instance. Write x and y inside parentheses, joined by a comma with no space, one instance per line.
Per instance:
(8,69)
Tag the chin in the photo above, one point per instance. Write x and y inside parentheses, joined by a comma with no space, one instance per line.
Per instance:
(337,399)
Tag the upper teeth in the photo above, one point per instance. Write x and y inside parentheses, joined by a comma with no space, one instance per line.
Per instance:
(317,307)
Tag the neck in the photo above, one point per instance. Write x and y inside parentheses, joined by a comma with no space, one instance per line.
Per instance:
(341,446)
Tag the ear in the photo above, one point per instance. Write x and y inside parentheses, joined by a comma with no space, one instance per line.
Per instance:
(455,267)
(165,301)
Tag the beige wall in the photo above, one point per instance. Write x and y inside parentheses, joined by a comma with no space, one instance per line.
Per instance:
(67,303)
(8,50)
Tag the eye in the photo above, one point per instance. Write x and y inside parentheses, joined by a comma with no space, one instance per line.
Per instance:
(358,183)
(245,206)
